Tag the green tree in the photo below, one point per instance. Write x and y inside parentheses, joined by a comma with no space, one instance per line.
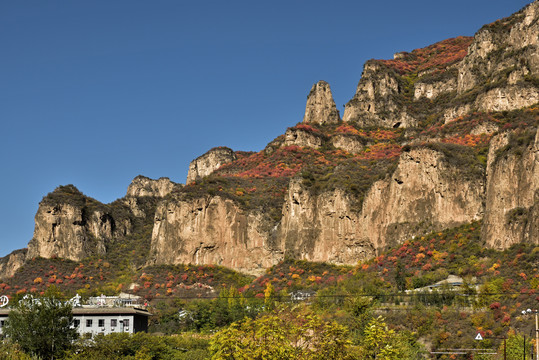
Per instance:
(515,347)
(382,343)
(269,296)
(141,346)
(41,326)
(272,337)
(400,277)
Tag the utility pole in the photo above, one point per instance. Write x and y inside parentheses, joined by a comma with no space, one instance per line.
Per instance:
(536,336)
(524,347)
(527,312)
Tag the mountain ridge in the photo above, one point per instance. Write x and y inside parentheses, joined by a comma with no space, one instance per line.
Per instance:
(423,145)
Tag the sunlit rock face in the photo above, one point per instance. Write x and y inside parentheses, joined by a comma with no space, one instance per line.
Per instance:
(143,186)
(321,108)
(207,163)
(512,197)
(213,230)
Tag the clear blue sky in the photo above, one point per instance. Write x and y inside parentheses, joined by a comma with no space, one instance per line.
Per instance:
(94,93)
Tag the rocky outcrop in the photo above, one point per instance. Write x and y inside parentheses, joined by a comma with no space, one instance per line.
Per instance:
(72,226)
(205,164)
(348,142)
(321,108)
(143,186)
(213,230)
(508,98)
(322,228)
(431,90)
(301,137)
(484,128)
(425,193)
(433,186)
(452,113)
(11,263)
(512,197)
(504,59)
(375,102)
(66,231)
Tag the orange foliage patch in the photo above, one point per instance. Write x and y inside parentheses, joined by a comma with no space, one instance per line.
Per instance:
(437,56)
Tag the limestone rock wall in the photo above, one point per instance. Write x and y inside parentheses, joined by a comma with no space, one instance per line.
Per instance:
(70,225)
(303,138)
(212,230)
(425,193)
(68,231)
(512,197)
(321,108)
(432,90)
(351,143)
(322,228)
(375,100)
(207,163)
(505,56)
(143,186)
(11,263)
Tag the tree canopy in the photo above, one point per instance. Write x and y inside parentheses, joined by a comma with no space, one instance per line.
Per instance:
(41,326)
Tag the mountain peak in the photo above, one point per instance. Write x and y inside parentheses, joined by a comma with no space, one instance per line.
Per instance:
(321,108)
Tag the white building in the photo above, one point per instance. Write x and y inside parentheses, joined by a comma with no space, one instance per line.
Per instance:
(107,320)
(103,317)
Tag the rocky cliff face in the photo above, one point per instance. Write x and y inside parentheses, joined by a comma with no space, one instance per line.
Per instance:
(143,186)
(321,108)
(322,228)
(498,71)
(305,201)
(425,193)
(67,231)
(376,100)
(11,263)
(512,197)
(350,143)
(71,225)
(301,137)
(504,57)
(212,230)
(209,162)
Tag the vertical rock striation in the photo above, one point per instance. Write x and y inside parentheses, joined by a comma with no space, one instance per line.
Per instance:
(512,198)
(321,108)
(212,230)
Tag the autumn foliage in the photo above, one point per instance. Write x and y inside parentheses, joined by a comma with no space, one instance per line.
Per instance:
(434,57)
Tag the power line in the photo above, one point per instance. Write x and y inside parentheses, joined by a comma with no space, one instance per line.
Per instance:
(410,295)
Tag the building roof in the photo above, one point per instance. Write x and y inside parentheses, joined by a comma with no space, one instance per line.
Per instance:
(110,311)
(99,311)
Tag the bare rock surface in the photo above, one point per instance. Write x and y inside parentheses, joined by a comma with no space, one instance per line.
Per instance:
(207,163)
(512,197)
(321,108)
(144,186)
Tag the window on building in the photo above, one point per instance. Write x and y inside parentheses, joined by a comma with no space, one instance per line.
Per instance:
(101,323)
(76,323)
(2,324)
(126,322)
(89,323)
(113,322)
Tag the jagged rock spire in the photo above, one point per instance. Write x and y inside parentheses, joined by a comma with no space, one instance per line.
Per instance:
(321,108)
